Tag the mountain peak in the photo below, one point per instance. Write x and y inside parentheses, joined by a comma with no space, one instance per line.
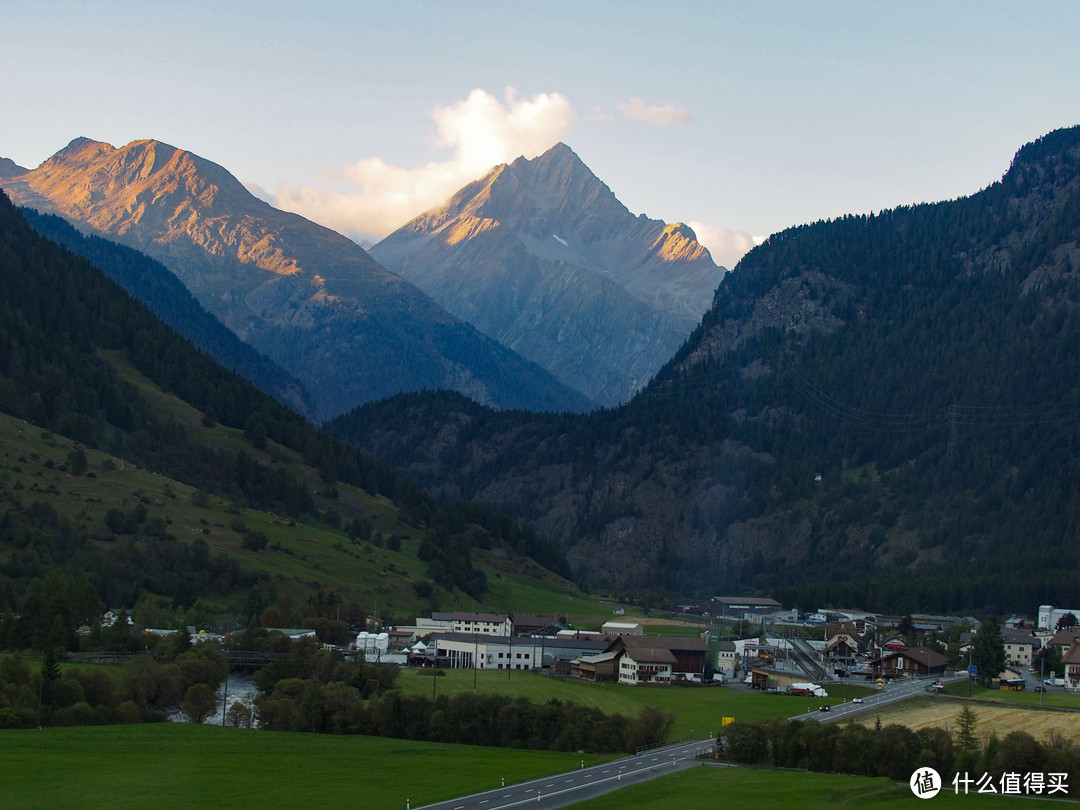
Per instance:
(542,256)
(81,149)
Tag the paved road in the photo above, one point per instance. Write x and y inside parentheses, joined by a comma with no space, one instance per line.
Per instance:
(575,786)
(897,690)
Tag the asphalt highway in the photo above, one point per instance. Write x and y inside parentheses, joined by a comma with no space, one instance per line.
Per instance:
(897,690)
(575,786)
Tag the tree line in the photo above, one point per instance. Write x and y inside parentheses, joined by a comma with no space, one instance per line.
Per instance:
(172,675)
(896,752)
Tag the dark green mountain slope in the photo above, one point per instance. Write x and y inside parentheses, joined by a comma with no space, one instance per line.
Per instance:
(80,358)
(880,410)
(168,298)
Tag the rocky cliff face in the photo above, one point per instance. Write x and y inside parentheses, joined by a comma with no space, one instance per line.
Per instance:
(541,256)
(307,297)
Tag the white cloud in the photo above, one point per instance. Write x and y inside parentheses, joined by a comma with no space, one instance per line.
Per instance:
(662,115)
(725,245)
(481,131)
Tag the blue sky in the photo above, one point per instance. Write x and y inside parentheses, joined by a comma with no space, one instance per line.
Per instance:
(739,118)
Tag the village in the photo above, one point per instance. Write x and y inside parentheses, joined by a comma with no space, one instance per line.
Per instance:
(778,650)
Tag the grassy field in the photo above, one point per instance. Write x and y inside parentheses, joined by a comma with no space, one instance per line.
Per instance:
(991,716)
(1052,699)
(182,766)
(707,788)
(187,767)
(698,708)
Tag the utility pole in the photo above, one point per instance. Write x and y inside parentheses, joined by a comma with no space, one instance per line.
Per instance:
(971,646)
(225,694)
(950,453)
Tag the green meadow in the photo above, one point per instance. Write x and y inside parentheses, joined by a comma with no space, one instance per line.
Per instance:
(183,766)
(186,767)
(707,788)
(700,709)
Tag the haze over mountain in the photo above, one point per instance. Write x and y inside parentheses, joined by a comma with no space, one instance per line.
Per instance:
(308,298)
(878,410)
(540,255)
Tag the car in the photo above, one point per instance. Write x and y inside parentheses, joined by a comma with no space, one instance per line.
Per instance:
(856,700)
(825,708)
(1040,688)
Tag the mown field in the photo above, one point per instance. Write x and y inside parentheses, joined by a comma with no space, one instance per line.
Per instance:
(183,766)
(186,767)
(999,717)
(707,788)
(700,709)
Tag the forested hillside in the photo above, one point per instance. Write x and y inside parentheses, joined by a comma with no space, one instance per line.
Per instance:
(152,283)
(80,359)
(881,410)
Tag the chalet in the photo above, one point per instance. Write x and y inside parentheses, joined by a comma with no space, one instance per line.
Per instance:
(841,643)
(913,661)
(1064,638)
(1071,662)
(654,659)
(1019,648)
(646,665)
(598,667)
